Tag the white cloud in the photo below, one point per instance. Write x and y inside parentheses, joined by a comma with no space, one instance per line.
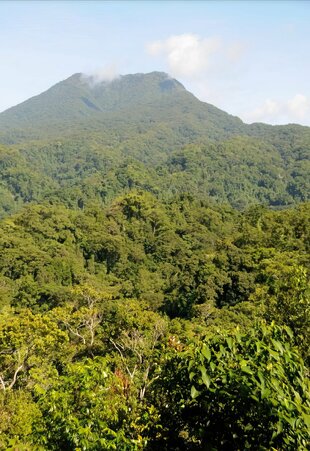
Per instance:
(103,74)
(269,108)
(210,67)
(186,55)
(296,109)
(191,56)
(299,106)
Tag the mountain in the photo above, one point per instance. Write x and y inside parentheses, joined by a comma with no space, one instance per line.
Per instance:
(83,140)
(139,99)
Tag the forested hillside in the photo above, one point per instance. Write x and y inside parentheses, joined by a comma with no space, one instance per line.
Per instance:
(154,273)
(80,140)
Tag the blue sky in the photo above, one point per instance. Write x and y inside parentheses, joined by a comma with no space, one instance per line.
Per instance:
(251,59)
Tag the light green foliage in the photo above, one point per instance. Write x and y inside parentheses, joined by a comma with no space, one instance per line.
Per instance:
(27,343)
(237,391)
(87,408)
(286,299)
(18,414)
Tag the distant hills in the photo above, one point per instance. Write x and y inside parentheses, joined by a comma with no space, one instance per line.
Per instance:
(82,142)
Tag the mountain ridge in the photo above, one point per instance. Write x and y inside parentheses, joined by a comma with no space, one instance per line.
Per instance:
(93,86)
(77,99)
(82,142)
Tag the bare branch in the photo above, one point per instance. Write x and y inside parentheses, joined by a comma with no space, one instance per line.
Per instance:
(2,383)
(117,347)
(15,375)
(75,332)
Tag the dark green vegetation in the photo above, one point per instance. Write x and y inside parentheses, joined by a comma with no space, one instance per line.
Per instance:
(137,312)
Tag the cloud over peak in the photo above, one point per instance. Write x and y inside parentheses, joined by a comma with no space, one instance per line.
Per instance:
(186,54)
(101,75)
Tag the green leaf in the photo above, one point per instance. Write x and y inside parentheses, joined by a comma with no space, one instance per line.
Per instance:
(274,354)
(306,418)
(205,378)
(247,369)
(279,428)
(206,352)
(194,392)
(278,346)
(261,378)
(289,332)
(191,375)
(229,342)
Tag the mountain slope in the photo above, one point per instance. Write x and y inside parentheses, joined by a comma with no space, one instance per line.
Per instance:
(81,142)
(144,99)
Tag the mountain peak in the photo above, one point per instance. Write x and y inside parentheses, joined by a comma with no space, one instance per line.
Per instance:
(155,79)
(87,102)
(99,78)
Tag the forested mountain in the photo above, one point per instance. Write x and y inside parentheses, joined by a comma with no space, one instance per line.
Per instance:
(154,287)
(144,131)
(142,101)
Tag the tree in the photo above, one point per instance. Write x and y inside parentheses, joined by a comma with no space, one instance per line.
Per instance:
(87,408)
(31,346)
(236,391)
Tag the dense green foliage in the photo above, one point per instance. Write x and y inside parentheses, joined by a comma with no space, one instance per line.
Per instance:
(249,391)
(150,298)
(105,312)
